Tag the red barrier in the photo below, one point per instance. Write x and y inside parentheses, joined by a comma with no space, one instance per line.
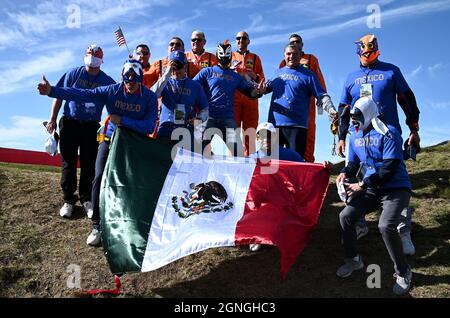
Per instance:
(30,157)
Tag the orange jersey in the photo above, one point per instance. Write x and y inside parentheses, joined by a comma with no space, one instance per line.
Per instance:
(245,108)
(311,62)
(146,70)
(248,62)
(206,59)
(159,67)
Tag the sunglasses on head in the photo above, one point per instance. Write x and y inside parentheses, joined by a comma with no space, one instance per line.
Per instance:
(197,40)
(176,44)
(243,38)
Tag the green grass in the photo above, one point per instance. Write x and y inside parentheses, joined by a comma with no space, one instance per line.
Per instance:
(37,246)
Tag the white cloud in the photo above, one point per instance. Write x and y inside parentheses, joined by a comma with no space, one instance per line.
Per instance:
(322,10)
(49,19)
(24,132)
(392,14)
(236,4)
(258,25)
(439,105)
(20,75)
(433,135)
(415,71)
(434,69)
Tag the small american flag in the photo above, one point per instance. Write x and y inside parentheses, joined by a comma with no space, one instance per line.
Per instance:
(119,37)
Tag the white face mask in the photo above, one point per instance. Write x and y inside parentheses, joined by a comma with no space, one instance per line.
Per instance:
(92,61)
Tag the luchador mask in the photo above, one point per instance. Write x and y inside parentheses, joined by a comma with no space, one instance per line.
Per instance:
(367,49)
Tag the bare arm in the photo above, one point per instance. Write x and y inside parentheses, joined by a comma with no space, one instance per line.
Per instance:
(158,87)
(56,106)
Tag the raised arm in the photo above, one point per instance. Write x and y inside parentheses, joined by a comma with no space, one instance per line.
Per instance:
(96,95)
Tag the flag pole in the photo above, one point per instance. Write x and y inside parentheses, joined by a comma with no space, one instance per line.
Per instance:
(129,53)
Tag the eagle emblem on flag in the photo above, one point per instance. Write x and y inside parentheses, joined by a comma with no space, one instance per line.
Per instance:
(209,197)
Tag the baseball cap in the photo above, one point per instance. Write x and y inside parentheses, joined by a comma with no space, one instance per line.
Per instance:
(178,56)
(266,126)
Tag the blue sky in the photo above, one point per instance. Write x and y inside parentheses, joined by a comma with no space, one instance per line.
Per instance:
(38,38)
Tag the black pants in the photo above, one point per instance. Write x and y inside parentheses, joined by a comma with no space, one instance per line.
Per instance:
(100,163)
(76,135)
(293,138)
(392,204)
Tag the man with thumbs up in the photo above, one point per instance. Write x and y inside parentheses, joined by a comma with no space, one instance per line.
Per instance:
(78,131)
(129,103)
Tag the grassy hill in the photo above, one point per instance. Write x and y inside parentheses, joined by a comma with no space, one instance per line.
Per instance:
(37,246)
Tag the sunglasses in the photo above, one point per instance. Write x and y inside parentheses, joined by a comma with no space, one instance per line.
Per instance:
(197,40)
(178,66)
(143,53)
(176,44)
(296,41)
(243,38)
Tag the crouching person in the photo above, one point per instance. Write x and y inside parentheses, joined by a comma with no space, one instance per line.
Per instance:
(376,149)
(129,104)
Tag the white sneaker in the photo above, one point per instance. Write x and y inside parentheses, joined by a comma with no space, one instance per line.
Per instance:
(361,231)
(66,210)
(408,246)
(254,247)
(88,209)
(351,264)
(402,284)
(94,237)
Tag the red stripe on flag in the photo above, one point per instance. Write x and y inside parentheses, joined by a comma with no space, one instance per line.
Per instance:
(119,37)
(30,157)
(283,208)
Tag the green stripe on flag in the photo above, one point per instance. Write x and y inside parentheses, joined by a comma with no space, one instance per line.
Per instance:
(134,175)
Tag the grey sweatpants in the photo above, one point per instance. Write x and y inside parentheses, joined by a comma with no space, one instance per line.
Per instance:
(404,225)
(392,205)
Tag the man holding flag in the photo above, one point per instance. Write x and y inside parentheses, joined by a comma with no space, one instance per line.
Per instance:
(129,104)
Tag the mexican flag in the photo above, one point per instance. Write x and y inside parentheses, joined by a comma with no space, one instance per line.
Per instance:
(155,210)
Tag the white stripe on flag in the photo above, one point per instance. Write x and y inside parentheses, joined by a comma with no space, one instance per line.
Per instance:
(172,237)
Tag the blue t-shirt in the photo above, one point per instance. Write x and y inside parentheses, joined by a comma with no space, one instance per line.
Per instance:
(138,111)
(283,154)
(80,78)
(386,82)
(220,86)
(182,98)
(292,90)
(371,149)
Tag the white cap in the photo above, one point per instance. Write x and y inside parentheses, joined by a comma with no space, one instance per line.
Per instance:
(266,126)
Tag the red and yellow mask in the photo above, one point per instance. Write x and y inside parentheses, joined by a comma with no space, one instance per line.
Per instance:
(367,49)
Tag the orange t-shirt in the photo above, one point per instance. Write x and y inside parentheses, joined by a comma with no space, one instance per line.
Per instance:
(206,59)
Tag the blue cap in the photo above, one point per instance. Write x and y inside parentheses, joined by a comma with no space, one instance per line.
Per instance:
(178,56)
